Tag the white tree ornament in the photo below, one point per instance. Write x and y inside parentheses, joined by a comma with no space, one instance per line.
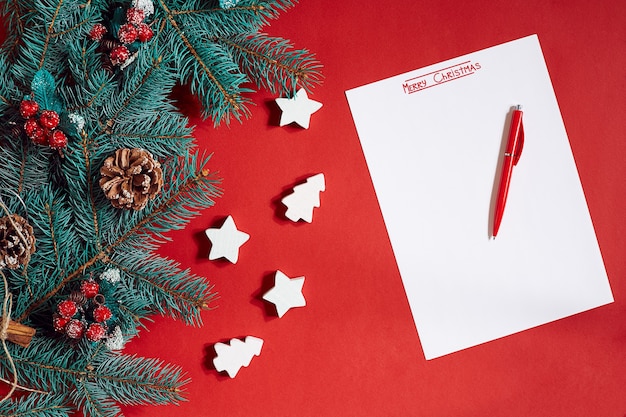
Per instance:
(297,109)
(231,358)
(304,199)
(286,293)
(226,240)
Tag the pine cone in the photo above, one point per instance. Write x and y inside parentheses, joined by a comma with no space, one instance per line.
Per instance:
(17,241)
(130,178)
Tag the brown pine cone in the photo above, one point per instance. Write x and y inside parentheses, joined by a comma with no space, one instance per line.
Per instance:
(17,241)
(131,177)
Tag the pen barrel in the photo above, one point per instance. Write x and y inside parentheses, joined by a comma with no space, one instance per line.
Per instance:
(503,191)
(511,156)
(515,135)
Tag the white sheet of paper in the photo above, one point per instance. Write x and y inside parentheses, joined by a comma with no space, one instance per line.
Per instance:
(433,139)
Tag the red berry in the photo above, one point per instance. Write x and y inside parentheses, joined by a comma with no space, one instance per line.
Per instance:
(57,139)
(135,15)
(101,313)
(28,108)
(39,136)
(144,32)
(59,323)
(127,33)
(95,332)
(89,288)
(67,308)
(119,55)
(97,32)
(30,125)
(75,329)
(49,119)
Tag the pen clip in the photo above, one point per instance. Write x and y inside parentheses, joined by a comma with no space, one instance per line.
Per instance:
(517,152)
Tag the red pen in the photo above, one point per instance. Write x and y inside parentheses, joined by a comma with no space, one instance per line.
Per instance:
(513,150)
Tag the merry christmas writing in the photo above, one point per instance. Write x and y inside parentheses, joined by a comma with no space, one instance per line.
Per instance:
(444,75)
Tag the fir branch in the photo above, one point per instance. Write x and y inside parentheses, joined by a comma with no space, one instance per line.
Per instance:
(11,12)
(245,17)
(23,166)
(129,99)
(273,62)
(46,364)
(191,187)
(133,380)
(160,131)
(9,92)
(100,378)
(36,405)
(208,70)
(92,401)
(49,33)
(93,85)
(77,171)
(47,29)
(191,190)
(164,287)
(57,247)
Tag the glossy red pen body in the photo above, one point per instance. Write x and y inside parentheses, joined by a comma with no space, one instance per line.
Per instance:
(515,143)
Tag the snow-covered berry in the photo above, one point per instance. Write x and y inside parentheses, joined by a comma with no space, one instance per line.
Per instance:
(89,288)
(57,139)
(97,32)
(75,329)
(135,15)
(127,33)
(144,32)
(119,55)
(28,108)
(49,119)
(67,308)
(30,125)
(102,313)
(59,322)
(38,135)
(95,332)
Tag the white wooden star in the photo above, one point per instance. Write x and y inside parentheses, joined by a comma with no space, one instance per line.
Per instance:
(298,109)
(286,293)
(226,240)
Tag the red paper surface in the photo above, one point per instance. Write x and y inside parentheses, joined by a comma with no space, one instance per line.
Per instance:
(353,350)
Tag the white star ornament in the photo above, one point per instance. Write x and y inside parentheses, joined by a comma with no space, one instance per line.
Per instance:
(226,241)
(298,109)
(286,293)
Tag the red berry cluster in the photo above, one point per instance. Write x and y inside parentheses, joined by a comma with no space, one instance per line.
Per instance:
(83,314)
(135,29)
(41,127)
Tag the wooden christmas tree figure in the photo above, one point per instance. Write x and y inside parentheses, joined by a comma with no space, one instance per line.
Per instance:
(231,358)
(304,199)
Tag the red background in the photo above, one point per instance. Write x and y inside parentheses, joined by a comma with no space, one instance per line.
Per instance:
(353,350)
